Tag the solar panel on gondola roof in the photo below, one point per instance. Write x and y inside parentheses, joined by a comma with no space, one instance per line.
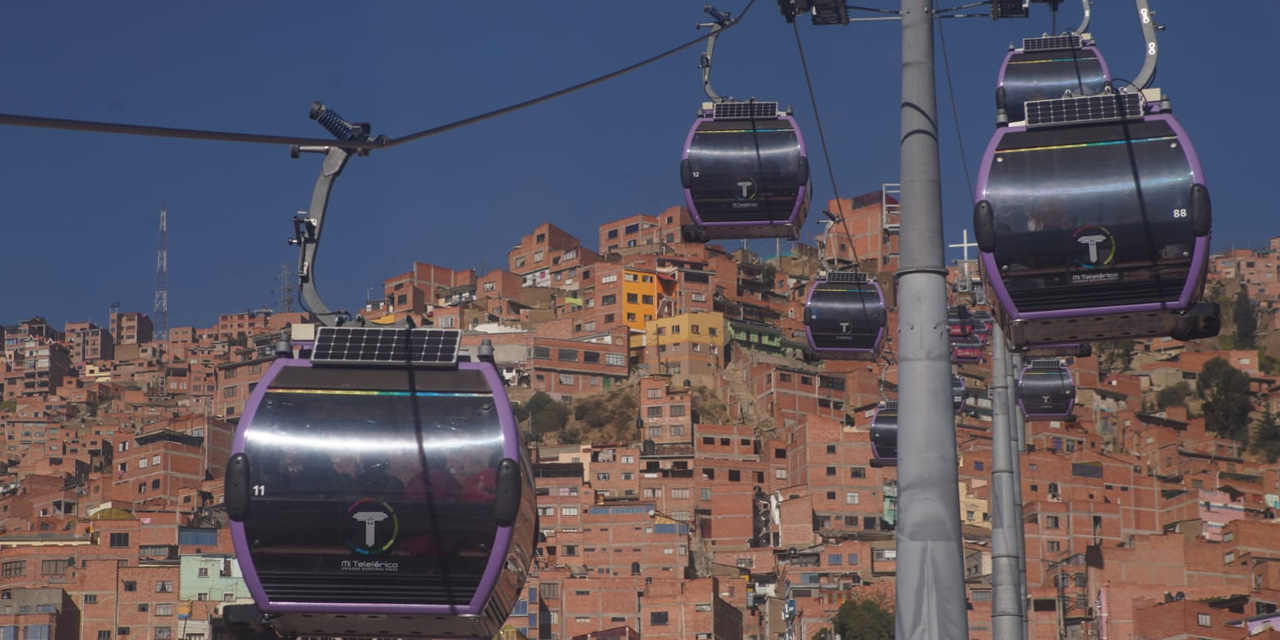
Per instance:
(385,346)
(1051,43)
(744,110)
(1101,108)
(855,277)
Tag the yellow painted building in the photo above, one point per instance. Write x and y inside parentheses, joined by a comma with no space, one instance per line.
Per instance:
(639,298)
(973,510)
(688,346)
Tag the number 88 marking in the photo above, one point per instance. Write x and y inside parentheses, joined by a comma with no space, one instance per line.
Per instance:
(1179,213)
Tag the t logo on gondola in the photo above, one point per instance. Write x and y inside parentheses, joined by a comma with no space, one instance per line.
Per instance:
(372,528)
(1097,244)
(746,189)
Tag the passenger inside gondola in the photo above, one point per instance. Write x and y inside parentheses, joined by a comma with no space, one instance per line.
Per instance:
(376,478)
(435,482)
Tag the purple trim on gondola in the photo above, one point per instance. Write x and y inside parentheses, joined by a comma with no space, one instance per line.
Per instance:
(801,197)
(510,449)
(1199,255)
(1102,62)
(502,541)
(240,541)
(809,333)
(1071,403)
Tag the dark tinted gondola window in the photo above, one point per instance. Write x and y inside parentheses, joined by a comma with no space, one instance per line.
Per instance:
(1086,206)
(346,506)
(744,173)
(1048,74)
(845,316)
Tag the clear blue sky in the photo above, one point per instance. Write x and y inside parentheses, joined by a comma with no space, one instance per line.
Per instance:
(79,211)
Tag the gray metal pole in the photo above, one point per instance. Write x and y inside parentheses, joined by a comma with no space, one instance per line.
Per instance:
(930,571)
(1019,446)
(1006,613)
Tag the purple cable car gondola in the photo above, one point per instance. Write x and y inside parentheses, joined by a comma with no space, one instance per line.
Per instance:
(379,487)
(745,173)
(1093,222)
(1046,390)
(1049,67)
(958,395)
(844,316)
(884,435)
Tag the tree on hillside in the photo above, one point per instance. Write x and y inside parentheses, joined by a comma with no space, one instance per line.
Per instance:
(546,414)
(864,619)
(1227,402)
(1174,395)
(1266,436)
(1245,317)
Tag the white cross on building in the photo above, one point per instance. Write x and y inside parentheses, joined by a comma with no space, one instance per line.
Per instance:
(964,244)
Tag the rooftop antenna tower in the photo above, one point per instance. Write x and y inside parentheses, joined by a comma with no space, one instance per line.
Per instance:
(161,310)
(285,291)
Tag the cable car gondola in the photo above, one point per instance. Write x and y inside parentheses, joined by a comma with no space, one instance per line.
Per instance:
(958,396)
(1046,390)
(1093,223)
(745,172)
(381,488)
(844,316)
(884,435)
(1049,67)
(966,352)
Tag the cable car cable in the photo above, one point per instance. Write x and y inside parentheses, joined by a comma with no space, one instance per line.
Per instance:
(955,115)
(822,138)
(381,142)
(556,94)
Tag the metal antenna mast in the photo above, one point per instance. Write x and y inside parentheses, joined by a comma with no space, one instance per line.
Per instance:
(161,309)
(285,291)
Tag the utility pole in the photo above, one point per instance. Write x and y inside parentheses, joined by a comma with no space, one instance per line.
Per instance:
(1019,446)
(1006,612)
(930,572)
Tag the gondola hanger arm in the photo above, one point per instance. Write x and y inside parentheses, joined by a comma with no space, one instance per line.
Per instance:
(1084,20)
(1149,27)
(309,224)
(719,22)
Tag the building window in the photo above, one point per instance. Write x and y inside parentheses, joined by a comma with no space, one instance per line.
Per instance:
(858,472)
(653,412)
(676,411)
(119,540)
(831,471)
(1203,619)
(13,569)
(1051,522)
(130,585)
(164,586)
(164,633)
(91,598)
(104,634)
(54,567)
(164,609)
(851,497)
(1229,557)
(568,511)
(609,299)
(658,618)
(1054,545)
(655,432)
